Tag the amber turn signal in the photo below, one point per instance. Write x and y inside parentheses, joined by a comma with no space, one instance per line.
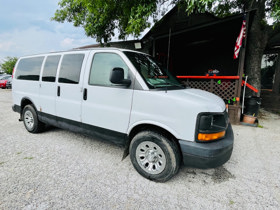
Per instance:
(210,136)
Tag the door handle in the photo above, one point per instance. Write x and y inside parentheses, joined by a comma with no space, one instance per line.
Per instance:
(58,90)
(85,94)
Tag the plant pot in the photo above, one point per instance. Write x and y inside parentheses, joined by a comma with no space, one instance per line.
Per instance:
(249,119)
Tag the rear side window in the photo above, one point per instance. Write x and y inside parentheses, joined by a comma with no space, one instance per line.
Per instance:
(50,68)
(101,68)
(71,68)
(29,68)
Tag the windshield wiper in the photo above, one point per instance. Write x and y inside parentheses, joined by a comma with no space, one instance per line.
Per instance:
(172,84)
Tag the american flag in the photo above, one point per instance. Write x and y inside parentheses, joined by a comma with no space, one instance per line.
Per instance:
(238,43)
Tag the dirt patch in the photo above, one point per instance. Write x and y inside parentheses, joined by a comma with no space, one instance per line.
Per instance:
(221,174)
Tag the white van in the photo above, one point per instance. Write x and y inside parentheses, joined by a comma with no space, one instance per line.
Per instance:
(127,98)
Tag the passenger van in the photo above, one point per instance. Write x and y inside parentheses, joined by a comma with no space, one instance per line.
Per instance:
(127,98)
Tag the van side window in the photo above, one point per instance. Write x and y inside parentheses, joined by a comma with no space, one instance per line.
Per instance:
(50,68)
(102,65)
(71,68)
(29,68)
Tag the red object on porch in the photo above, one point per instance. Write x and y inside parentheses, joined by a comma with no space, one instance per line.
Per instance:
(208,77)
(250,86)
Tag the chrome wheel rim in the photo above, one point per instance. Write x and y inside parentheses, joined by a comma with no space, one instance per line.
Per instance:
(150,157)
(29,119)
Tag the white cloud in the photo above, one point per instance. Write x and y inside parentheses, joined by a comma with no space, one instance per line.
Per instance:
(34,40)
(26,29)
(67,42)
(6,45)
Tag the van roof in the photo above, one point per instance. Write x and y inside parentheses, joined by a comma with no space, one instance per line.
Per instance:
(84,49)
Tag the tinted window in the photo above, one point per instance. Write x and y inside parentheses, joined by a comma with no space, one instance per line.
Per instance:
(5,77)
(101,68)
(29,68)
(50,68)
(71,68)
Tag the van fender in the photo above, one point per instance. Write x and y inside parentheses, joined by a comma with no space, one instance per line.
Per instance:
(25,101)
(153,123)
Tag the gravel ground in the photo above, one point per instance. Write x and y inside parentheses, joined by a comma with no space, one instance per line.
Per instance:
(59,169)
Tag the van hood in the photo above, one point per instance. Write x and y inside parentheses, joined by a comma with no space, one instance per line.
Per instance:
(208,101)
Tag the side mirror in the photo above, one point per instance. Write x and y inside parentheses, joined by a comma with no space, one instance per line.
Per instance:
(117,77)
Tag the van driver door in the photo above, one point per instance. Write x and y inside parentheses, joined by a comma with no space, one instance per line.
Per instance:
(106,107)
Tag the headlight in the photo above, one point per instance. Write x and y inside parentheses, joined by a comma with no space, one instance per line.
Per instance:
(211,126)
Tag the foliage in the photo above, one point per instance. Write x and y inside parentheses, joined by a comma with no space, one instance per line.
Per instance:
(9,64)
(101,18)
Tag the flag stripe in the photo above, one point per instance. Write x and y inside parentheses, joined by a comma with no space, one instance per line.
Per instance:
(239,39)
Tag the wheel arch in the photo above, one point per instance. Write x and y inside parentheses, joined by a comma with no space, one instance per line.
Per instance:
(26,101)
(148,126)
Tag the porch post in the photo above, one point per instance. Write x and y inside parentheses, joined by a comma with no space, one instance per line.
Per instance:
(240,73)
(242,58)
(154,48)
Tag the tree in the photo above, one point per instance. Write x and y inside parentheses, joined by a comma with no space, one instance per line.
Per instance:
(260,32)
(9,64)
(100,19)
(276,84)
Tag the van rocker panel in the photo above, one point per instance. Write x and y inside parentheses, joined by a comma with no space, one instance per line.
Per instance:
(209,154)
(90,130)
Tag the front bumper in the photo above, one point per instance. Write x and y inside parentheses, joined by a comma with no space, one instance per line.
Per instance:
(208,155)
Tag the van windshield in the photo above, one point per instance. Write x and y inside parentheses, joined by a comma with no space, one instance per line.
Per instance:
(154,74)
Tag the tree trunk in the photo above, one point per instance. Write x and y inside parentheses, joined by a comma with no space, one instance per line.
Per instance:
(257,40)
(276,83)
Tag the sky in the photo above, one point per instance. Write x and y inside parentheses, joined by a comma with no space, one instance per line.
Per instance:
(26,29)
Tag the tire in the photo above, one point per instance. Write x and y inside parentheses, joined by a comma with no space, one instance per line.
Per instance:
(154,156)
(30,120)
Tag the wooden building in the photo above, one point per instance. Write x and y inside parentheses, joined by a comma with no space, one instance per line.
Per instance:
(199,50)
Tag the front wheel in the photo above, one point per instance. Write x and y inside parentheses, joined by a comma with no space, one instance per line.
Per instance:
(30,120)
(154,156)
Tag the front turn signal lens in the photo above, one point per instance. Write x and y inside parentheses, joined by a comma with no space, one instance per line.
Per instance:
(210,136)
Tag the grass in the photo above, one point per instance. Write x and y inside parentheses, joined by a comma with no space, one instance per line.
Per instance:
(260,126)
(28,158)
(231,202)
(1,163)
(18,153)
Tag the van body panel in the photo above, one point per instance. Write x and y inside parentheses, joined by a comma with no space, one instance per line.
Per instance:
(69,102)
(211,101)
(29,91)
(22,89)
(48,90)
(110,111)
(177,110)
(107,106)
(152,123)
(47,98)
(115,137)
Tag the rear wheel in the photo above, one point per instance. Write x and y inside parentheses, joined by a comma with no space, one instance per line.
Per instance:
(154,156)
(30,120)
